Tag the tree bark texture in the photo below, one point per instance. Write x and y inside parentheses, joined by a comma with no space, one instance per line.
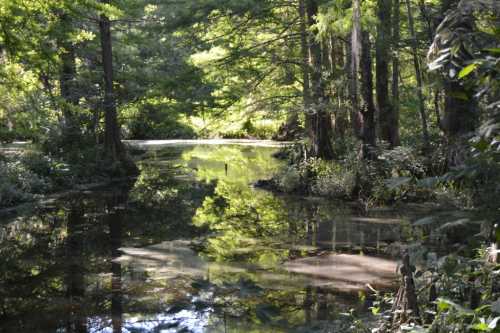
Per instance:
(418,75)
(321,123)
(369,136)
(389,126)
(396,35)
(114,150)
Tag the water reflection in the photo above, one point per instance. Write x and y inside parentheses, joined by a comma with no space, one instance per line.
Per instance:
(75,281)
(190,246)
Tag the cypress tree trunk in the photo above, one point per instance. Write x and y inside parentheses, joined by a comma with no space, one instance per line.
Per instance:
(395,59)
(341,124)
(389,126)
(361,67)
(355,56)
(321,123)
(418,75)
(113,147)
(304,47)
(368,105)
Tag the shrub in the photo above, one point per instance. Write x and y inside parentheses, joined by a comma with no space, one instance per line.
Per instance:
(154,122)
(18,183)
(6,136)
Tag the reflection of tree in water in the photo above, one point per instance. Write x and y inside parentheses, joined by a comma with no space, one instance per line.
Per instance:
(60,258)
(75,279)
(261,231)
(115,208)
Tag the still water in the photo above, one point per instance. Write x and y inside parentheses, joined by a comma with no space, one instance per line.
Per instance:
(191,246)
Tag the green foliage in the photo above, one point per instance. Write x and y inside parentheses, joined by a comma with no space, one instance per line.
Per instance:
(25,175)
(156,121)
(6,136)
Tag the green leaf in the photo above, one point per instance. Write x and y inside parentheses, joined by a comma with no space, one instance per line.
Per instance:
(467,70)
(446,304)
(493,50)
(483,327)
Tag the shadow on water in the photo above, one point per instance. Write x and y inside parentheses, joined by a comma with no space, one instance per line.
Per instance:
(190,246)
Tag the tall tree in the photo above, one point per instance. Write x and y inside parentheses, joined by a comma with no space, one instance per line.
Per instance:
(113,147)
(449,54)
(321,122)
(362,79)
(418,75)
(389,124)
(355,58)
(304,51)
(368,105)
(396,35)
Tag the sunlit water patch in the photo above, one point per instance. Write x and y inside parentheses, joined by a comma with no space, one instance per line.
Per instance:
(191,246)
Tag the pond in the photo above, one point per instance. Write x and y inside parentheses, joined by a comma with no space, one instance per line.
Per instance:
(192,246)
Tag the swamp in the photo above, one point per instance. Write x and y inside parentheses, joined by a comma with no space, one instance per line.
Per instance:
(205,166)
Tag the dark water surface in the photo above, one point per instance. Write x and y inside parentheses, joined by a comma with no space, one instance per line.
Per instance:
(192,247)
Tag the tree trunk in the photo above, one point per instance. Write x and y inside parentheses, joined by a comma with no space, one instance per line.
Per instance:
(389,127)
(321,125)
(114,150)
(395,59)
(418,74)
(306,90)
(355,51)
(368,105)
(341,124)
(459,115)
(361,66)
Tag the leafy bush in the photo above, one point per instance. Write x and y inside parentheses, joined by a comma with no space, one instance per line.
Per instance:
(317,177)
(24,175)
(153,122)
(19,181)
(6,136)
(259,130)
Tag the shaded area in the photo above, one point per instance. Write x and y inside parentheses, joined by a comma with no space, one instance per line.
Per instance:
(190,245)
